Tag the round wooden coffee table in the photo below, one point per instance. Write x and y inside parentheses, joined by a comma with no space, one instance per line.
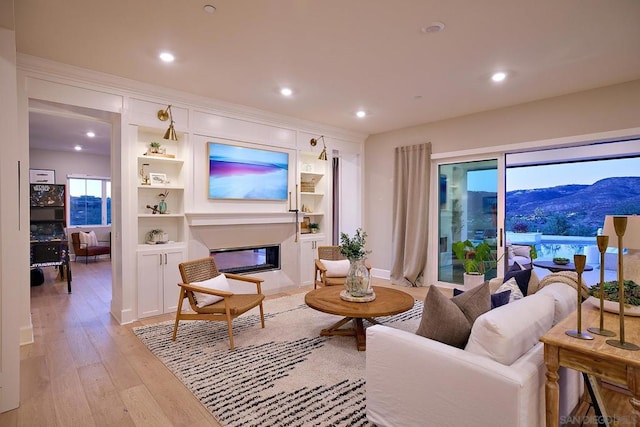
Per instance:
(388,302)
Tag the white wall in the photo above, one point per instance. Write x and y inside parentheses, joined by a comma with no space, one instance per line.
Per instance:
(594,111)
(70,163)
(14,237)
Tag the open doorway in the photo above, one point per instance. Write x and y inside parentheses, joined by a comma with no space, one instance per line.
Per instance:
(73,144)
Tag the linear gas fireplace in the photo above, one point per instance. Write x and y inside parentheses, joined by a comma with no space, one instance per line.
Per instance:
(247,259)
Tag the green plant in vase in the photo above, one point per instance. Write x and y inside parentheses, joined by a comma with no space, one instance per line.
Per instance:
(314,227)
(357,282)
(154,147)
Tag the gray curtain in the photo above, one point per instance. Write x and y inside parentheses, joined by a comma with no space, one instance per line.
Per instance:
(412,171)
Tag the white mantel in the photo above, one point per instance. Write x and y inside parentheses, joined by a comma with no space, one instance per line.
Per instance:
(214,218)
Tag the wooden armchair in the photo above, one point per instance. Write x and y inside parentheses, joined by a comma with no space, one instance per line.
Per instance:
(228,308)
(321,276)
(83,249)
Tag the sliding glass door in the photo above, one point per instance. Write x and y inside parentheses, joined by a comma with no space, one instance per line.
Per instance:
(470,200)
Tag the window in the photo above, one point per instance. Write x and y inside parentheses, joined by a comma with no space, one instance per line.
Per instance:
(89,201)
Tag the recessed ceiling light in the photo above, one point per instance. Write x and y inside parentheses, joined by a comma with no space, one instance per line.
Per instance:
(91,134)
(434,27)
(167,57)
(210,9)
(499,76)
(285,91)
(361,113)
(78,148)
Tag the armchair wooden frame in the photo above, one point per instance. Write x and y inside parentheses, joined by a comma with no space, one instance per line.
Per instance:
(231,306)
(320,271)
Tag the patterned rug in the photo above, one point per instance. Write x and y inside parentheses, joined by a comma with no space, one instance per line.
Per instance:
(285,374)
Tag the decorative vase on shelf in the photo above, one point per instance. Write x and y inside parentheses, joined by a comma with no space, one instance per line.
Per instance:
(357,282)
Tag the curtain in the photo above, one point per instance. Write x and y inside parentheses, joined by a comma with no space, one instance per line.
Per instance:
(412,170)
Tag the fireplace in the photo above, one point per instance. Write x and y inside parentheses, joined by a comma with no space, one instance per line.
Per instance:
(249,259)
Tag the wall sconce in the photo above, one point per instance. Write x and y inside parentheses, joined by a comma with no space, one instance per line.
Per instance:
(314,142)
(165,115)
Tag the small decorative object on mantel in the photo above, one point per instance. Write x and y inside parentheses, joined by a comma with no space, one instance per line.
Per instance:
(579,261)
(603,242)
(357,283)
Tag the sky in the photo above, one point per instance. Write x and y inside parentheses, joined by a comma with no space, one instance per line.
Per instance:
(545,176)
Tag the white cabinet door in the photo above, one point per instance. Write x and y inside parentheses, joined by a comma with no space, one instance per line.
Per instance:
(150,290)
(158,276)
(172,278)
(308,255)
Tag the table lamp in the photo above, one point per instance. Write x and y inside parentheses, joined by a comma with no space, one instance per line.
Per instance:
(624,232)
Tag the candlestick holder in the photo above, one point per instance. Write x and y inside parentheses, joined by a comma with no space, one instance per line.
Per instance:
(620,225)
(579,261)
(603,242)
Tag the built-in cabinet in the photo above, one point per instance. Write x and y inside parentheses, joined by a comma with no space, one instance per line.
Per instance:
(314,203)
(160,173)
(308,254)
(161,226)
(313,188)
(158,277)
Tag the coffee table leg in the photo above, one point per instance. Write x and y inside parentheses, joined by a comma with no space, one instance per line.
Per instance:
(361,337)
(335,329)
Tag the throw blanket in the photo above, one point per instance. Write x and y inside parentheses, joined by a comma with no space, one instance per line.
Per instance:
(569,278)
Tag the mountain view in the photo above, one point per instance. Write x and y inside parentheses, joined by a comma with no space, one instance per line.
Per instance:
(572,210)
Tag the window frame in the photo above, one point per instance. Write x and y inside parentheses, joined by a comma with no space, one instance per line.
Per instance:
(106,195)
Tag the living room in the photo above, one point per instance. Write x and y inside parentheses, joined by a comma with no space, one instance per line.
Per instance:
(592,114)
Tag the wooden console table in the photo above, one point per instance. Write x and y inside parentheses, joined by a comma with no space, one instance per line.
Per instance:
(594,357)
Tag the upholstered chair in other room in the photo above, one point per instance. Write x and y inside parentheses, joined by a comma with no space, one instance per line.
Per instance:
(331,267)
(86,245)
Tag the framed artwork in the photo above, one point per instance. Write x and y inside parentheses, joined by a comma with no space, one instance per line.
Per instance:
(304,225)
(157,178)
(42,176)
(244,173)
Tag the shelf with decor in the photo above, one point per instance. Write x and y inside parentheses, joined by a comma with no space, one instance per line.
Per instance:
(160,187)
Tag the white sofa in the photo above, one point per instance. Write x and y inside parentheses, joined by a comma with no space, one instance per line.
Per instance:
(416,381)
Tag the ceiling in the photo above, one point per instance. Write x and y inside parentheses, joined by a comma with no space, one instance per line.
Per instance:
(340,56)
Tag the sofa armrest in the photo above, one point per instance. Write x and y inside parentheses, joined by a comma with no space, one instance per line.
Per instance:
(412,380)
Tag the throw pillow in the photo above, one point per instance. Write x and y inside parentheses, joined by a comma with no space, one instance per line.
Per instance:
(522,278)
(84,239)
(515,292)
(218,283)
(497,299)
(338,268)
(93,239)
(449,320)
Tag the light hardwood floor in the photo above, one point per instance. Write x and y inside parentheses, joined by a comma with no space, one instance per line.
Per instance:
(84,369)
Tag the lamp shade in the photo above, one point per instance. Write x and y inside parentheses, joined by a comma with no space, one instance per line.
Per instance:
(631,236)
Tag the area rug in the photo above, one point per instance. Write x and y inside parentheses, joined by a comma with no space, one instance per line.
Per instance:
(285,374)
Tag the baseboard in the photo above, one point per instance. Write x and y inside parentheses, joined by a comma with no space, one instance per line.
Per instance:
(381,274)
(123,317)
(26,333)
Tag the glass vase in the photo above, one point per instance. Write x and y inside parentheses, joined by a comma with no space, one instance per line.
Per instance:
(357,282)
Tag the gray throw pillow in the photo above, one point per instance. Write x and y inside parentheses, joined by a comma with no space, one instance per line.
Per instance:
(449,320)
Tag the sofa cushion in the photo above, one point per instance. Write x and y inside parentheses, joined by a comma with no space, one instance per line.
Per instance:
(565,297)
(449,320)
(219,283)
(506,333)
(338,268)
(514,290)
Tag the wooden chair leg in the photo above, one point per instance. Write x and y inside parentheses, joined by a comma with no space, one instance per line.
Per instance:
(261,315)
(178,311)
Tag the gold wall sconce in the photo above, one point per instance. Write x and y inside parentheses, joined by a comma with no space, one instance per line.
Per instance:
(165,115)
(314,142)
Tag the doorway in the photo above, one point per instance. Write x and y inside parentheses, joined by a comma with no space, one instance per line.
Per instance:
(70,141)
